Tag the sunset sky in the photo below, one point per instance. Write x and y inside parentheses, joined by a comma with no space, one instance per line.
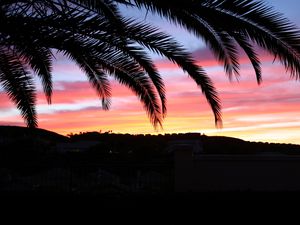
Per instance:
(269,112)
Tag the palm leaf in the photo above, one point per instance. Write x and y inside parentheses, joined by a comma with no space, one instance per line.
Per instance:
(19,86)
(163,44)
(252,19)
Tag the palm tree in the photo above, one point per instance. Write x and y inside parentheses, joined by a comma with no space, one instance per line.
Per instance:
(95,35)
(100,41)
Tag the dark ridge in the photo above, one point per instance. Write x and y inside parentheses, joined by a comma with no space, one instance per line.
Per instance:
(18,132)
(229,145)
(142,145)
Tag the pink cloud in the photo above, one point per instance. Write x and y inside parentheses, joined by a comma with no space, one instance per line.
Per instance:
(5,102)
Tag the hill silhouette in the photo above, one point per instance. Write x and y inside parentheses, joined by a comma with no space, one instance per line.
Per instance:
(32,161)
(18,132)
(157,143)
(22,145)
(229,145)
(127,144)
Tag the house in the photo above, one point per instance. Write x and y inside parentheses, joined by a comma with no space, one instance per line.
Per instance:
(268,171)
(195,145)
(78,146)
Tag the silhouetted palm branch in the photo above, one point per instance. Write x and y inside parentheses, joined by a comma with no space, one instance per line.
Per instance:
(103,43)
(245,21)
(16,81)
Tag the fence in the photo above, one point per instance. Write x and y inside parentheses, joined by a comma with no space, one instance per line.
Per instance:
(186,172)
(91,179)
(215,172)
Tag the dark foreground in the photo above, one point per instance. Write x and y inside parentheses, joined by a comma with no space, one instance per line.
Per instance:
(179,202)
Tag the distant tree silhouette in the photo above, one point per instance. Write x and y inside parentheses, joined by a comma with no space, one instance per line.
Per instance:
(95,35)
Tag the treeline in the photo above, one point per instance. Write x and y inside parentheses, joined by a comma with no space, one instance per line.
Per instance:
(32,148)
(156,144)
(128,147)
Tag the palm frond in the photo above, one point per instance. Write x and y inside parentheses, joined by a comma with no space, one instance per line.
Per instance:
(163,44)
(253,19)
(97,31)
(96,76)
(253,57)
(40,60)
(280,39)
(19,86)
(140,85)
(121,67)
